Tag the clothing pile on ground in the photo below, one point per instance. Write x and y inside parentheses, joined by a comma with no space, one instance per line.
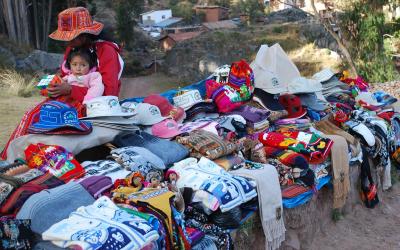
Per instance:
(184,168)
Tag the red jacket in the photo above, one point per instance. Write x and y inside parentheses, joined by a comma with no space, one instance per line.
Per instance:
(110,66)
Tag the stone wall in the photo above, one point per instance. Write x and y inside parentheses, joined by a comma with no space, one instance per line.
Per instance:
(302,222)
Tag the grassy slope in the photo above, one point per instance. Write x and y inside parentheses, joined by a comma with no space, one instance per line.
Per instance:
(11,112)
(226,46)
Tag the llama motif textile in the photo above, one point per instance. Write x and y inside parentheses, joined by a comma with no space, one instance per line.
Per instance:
(206,175)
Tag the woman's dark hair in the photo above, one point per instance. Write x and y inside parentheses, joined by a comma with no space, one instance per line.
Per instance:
(107,34)
(86,53)
(89,39)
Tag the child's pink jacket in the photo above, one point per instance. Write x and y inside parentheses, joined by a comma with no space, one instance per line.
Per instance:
(92,81)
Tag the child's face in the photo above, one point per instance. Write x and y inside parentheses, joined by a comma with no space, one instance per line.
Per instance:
(79,66)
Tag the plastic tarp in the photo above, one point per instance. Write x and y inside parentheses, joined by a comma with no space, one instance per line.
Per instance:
(305,197)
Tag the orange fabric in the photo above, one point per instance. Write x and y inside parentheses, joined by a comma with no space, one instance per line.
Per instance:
(74,21)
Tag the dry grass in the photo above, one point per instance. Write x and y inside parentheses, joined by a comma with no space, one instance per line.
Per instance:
(11,111)
(14,90)
(15,84)
(309,59)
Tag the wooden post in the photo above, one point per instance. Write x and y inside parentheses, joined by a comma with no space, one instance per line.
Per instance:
(155,64)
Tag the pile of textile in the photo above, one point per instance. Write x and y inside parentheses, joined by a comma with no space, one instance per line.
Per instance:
(184,168)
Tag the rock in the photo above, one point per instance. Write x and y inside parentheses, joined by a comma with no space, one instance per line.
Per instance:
(7,57)
(40,61)
(287,15)
(316,32)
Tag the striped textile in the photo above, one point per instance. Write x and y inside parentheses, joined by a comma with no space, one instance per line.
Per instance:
(32,116)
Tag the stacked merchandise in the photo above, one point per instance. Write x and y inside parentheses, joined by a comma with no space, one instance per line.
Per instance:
(183,169)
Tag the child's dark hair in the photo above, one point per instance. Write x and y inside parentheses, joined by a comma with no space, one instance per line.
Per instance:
(88,54)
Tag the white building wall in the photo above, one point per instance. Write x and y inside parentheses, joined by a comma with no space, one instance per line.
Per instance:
(156,16)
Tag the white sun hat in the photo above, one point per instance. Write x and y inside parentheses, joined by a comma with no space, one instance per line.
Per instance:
(105,106)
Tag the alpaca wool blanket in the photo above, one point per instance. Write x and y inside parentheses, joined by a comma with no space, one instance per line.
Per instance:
(270,202)
(204,143)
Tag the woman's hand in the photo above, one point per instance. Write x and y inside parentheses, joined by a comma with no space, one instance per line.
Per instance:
(61,89)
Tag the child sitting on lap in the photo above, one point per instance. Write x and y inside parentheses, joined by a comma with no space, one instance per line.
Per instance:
(82,65)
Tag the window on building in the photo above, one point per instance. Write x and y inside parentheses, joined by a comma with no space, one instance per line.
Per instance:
(148,17)
(163,17)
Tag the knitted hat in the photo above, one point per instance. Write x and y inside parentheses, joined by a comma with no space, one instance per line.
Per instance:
(292,105)
(55,160)
(169,172)
(241,79)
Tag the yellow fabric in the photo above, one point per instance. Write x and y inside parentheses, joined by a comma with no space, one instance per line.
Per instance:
(158,198)
(124,192)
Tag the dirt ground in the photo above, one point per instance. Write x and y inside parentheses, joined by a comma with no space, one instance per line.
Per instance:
(145,85)
(364,228)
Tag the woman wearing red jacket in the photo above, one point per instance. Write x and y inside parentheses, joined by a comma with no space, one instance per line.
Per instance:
(76,27)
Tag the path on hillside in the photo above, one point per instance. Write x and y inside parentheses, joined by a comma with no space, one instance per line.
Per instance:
(145,85)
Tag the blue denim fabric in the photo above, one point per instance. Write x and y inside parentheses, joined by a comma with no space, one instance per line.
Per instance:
(169,151)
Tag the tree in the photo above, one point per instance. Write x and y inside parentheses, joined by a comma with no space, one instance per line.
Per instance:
(183,9)
(364,25)
(342,47)
(253,8)
(21,21)
(127,11)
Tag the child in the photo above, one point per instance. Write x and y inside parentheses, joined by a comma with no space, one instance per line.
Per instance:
(82,65)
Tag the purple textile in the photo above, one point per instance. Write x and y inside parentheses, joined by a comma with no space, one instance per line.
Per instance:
(96,185)
(251,114)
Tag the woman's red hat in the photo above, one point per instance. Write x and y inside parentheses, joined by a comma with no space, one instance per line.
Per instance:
(75,21)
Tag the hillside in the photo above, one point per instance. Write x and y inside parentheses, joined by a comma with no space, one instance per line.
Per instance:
(195,59)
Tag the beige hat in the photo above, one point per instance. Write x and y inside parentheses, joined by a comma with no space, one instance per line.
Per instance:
(304,85)
(273,69)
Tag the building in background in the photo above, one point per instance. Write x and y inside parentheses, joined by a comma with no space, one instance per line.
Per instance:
(168,23)
(212,13)
(168,41)
(155,16)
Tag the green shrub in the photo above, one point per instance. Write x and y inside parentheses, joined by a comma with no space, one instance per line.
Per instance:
(278,30)
(379,69)
(133,67)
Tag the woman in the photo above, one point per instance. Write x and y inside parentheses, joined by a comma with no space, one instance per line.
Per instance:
(76,27)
